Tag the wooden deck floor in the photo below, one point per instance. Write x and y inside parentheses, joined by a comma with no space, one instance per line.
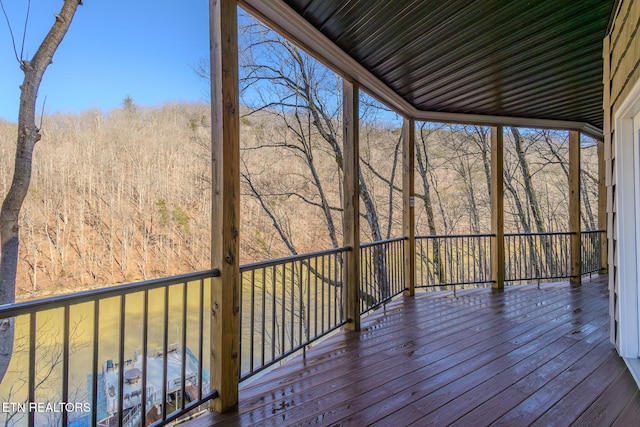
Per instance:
(519,357)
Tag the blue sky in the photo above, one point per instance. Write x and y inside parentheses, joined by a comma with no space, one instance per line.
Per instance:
(114,48)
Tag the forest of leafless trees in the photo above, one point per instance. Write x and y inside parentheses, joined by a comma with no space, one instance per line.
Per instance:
(124,195)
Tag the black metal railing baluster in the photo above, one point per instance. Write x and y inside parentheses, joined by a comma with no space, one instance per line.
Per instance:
(273,313)
(200,339)
(338,280)
(165,347)
(145,349)
(308,317)
(292,305)
(121,360)
(300,304)
(32,366)
(264,315)
(183,373)
(252,322)
(94,367)
(283,303)
(65,363)
(322,282)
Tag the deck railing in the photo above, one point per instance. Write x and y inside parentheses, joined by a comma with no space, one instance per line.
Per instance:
(591,242)
(126,361)
(537,256)
(453,260)
(381,272)
(287,304)
(110,355)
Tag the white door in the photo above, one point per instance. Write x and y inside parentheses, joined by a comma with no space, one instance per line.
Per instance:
(627,215)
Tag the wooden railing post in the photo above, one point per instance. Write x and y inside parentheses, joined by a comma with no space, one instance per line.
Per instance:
(602,208)
(574,207)
(225,223)
(351,218)
(408,205)
(497,207)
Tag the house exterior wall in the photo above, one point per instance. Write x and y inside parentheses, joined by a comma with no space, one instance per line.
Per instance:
(621,52)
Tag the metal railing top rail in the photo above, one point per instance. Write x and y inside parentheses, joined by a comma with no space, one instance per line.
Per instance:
(293,258)
(442,236)
(545,233)
(26,307)
(542,233)
(381,242)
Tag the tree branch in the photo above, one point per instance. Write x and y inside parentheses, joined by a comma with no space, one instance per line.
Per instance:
(13,39)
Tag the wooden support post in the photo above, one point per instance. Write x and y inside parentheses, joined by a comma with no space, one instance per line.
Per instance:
(225,222)
(602,208)
(574,207)
(497,207)
(408,205)
(351,215)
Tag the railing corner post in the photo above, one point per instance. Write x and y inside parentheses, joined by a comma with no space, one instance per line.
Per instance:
(574,207)
(225,223)
(497,208)
(408,205)
(351,216)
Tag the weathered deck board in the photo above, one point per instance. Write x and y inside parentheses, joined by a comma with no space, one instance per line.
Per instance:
(517,357)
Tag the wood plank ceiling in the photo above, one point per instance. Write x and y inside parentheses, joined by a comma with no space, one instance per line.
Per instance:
(538,59)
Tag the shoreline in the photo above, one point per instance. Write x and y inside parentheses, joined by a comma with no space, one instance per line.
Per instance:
(31,295)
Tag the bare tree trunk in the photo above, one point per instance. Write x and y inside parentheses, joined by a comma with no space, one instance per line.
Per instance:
(526,176)
(586,213)
(422,160)
(396,153)
(28,135)
(423,166)
(533,203)
(301,90)
(524,221)
(481,139)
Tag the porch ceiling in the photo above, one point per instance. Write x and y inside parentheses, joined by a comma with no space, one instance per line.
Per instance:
(529,59)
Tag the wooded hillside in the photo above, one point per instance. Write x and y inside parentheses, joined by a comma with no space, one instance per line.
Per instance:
(115,197)
(125,195)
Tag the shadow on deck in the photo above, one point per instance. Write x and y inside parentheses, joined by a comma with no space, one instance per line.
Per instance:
(519,357)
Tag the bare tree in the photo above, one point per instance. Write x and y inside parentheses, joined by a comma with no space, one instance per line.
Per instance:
(291,88)
(556,152)
(429,185)
(28,136)
(527,179)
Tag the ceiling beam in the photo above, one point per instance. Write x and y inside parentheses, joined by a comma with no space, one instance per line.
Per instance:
(286,21)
